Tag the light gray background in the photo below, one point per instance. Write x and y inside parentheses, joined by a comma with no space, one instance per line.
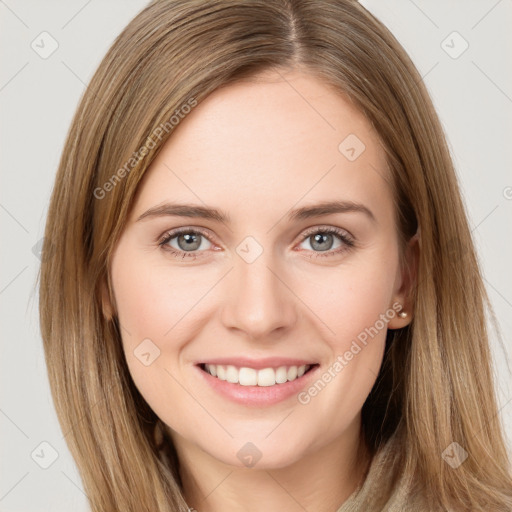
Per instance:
(38,98)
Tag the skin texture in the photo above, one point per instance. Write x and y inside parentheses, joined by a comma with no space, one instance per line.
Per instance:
(255,150)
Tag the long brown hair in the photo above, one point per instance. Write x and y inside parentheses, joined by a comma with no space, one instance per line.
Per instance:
(436,384)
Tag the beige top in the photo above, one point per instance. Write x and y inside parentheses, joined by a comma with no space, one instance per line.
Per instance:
(385,477)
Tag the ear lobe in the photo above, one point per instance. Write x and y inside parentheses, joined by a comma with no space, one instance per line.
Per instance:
(404,295)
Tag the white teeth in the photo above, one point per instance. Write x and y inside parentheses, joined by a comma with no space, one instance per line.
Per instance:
(281,375)
(266,377)
(221,372)
(292,372)
(231,374)
(248,377)
(251,377)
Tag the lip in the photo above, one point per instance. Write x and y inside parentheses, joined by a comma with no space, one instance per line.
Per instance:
(257,396)
(258,364)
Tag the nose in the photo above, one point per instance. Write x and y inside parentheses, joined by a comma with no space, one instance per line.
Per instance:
(259,302)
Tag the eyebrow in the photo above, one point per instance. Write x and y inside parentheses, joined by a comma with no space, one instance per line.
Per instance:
(306,212)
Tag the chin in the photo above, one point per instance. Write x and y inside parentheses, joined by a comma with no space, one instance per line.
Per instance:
(261,454)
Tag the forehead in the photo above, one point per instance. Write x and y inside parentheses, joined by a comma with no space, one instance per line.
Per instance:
(281,138)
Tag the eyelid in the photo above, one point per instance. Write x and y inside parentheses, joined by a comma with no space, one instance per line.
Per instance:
(171,233)
(327,229)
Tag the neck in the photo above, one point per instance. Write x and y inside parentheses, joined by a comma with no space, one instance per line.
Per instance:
(321,480)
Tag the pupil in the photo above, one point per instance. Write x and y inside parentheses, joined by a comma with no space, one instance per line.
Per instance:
(190,240)
(319,241)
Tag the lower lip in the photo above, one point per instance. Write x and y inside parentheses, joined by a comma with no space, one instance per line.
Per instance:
(258,395)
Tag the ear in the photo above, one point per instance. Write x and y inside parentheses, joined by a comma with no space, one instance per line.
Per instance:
(405,284)
(106,302)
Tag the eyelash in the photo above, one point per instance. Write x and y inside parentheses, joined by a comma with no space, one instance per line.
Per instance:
(347,240)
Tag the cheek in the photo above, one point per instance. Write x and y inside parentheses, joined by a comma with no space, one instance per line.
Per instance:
(349,299)
(155,305)
(153,300)
(354,309)
(161,307)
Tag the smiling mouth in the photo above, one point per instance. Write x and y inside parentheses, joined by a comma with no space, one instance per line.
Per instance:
(264,377)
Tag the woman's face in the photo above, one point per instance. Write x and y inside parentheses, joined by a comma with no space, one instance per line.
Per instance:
(287,257)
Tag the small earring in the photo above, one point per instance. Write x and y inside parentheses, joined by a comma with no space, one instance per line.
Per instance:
(402,314)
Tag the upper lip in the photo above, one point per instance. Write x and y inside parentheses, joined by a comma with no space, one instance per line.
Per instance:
(266,362)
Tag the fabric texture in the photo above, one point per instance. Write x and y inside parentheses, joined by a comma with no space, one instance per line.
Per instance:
(386,487)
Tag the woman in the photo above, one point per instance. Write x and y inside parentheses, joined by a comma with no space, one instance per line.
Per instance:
(266,295)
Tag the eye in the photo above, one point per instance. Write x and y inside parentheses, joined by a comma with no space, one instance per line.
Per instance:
(191,242)
(322,240)
(185,242)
